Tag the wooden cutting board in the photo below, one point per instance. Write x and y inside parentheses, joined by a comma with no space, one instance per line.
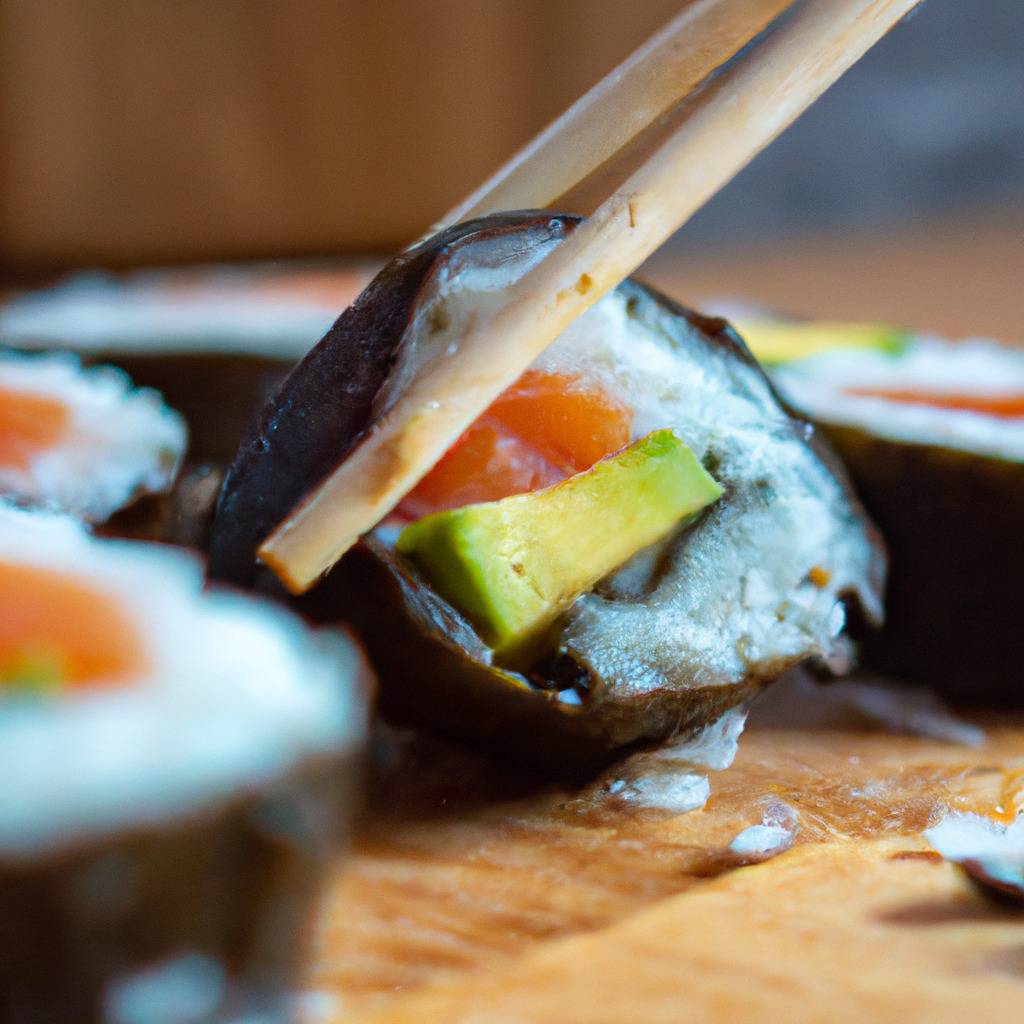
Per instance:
(468,902)
(477,896)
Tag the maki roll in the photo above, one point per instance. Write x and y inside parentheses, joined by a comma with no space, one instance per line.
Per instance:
(177,769)
(82,441)
(215,341)
(932,433)
(633,539)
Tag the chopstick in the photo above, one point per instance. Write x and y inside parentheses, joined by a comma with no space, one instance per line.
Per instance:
(603,122)
(725,125)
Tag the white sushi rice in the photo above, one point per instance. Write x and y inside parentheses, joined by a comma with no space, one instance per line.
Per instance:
(962,836)
(674,777)
(239,693)
(818,387)
(738,594)
(970,838)
(120,442)
(776,833)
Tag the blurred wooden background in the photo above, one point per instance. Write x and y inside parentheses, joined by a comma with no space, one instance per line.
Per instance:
(141,131)
(137,130)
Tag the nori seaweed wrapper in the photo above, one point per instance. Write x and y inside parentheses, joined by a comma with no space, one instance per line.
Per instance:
(953,522)
(204,919)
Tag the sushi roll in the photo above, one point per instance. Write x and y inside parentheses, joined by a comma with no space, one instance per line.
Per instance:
(215,341)
(177,770)
(932,433)
(634,539)
(83,441)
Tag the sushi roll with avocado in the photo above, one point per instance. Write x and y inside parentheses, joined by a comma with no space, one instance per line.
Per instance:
(932,433)
(633,539)
(177,768)
(83,441)
(214,341)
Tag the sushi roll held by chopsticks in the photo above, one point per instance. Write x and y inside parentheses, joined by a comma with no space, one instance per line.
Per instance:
(177,768)
(82,441)
(632,539)
(566,513)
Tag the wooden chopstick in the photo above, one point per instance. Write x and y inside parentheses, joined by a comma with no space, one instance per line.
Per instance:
(665,69)
(728,123)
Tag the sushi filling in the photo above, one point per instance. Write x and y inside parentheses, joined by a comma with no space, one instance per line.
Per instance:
(783,543)
(82,441)
(164,698)
(29,425)
(58,632)
(967,395)
(545,428)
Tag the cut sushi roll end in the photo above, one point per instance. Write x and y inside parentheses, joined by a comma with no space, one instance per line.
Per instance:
(933,437)
(214,340)
(642,640)
(82,441)
(178,769)
(917,389)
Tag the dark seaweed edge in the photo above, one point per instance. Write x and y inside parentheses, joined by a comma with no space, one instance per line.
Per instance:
(268,480)
(234,882)
(953,522)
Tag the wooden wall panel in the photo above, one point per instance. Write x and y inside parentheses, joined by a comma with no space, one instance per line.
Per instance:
(140,130)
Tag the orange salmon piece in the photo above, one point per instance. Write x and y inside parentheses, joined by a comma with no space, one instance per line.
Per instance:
(1003,407)
(485,464)
(572,424)
(544,428)
(48,617)
(29,424)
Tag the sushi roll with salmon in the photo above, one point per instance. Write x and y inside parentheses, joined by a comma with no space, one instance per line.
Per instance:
(83,441)
(177,769)
(214,341)
(632,540)
(932,433)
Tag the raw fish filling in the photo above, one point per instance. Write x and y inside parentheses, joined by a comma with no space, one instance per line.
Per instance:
(1003,407)
(29,425)
(57,632)
(545,428)
(541,498)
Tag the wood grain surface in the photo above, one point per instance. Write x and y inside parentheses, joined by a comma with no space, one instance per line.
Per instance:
(476,895)
(567,904)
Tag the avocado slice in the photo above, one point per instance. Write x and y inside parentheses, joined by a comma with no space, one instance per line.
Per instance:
(513,566)
(782,341)
(35,671)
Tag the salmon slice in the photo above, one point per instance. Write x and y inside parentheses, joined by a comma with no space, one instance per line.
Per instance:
(29,425)
(544,428)
(57,631)
(1003,407)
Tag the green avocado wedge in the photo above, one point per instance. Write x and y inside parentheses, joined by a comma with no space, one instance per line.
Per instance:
(513,566)
(776,342)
